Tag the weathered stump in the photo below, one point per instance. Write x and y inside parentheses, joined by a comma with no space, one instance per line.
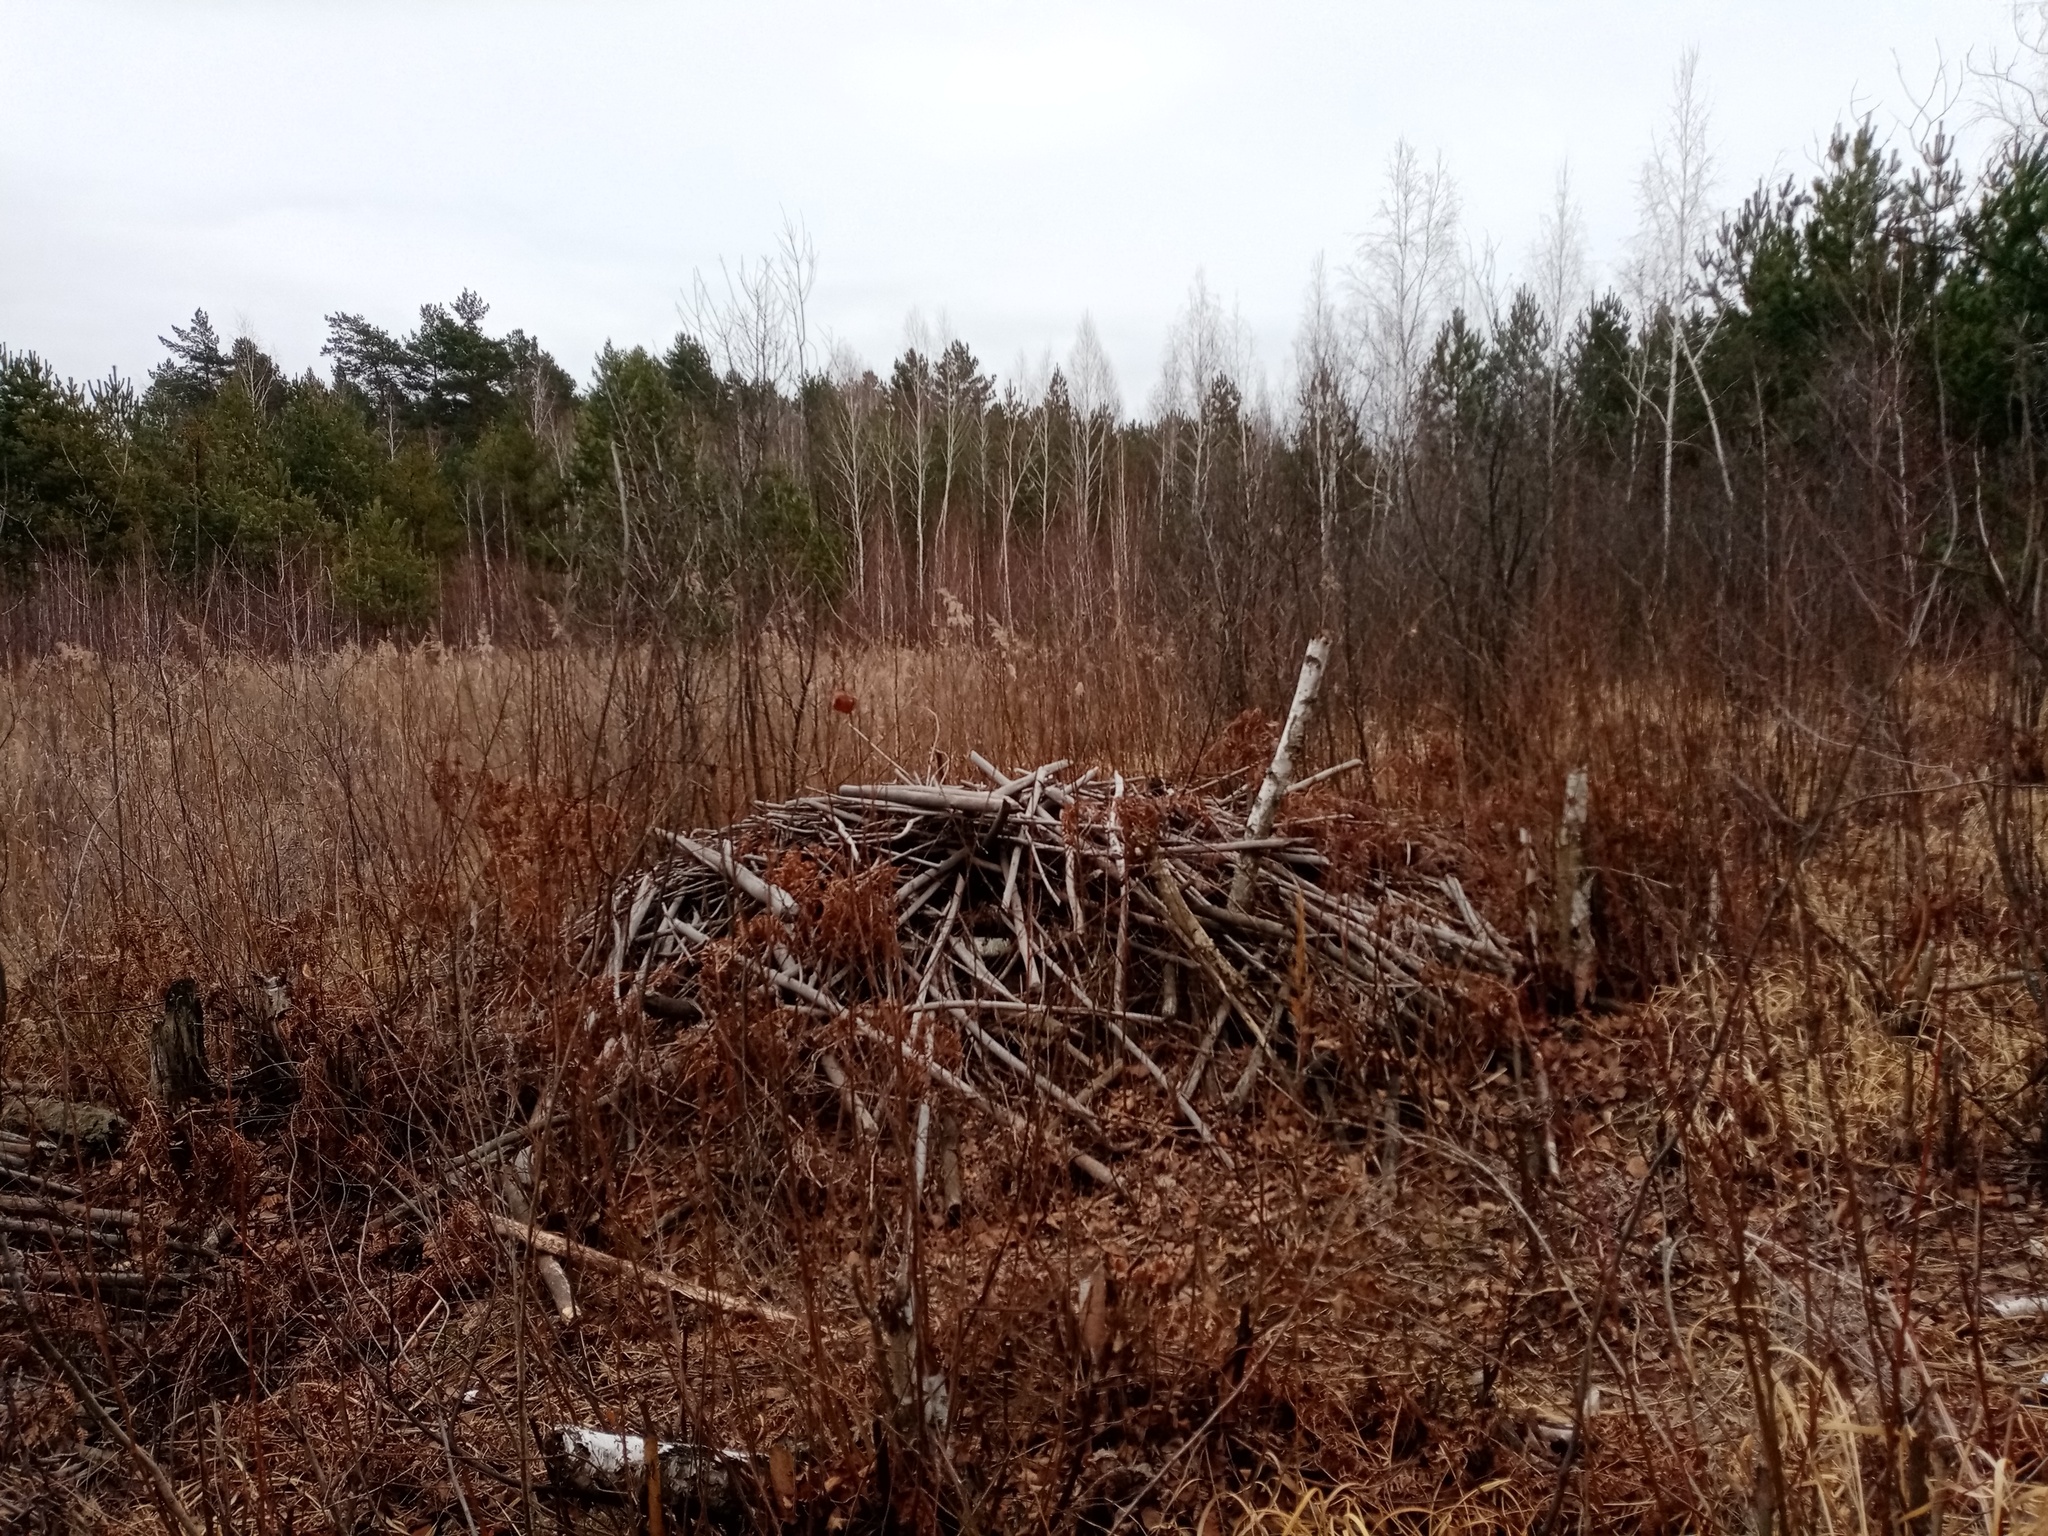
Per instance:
(177,1048)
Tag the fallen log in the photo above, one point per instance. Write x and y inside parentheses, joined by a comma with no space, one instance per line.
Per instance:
(587,1461)
(92,1129)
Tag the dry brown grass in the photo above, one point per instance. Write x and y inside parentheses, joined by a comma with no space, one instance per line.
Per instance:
(1327,1341)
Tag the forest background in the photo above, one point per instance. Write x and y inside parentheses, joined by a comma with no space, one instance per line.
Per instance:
(1475,484)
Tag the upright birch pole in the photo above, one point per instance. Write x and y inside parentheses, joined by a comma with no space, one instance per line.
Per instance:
(1280,773)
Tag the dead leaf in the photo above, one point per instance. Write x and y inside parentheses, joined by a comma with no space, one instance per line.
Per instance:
(1092,1308)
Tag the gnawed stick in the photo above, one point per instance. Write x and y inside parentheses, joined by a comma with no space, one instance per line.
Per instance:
(68,1211)
(517,1183)
(1152,1070)
(723,861)
(835,1075)
(499,1145)
(58,1231)
(1280,773)
(543,1241)
(1335,771)
(1081,1161)
(26,1180)
(1192,1083)
(1044,1085)
(1225,975)
(925,797)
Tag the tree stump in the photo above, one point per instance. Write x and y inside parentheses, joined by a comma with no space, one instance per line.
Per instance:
(1577,959)
(177,1048)
(269,1081)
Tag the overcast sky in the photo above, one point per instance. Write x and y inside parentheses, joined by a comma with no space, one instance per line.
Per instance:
(1006,166)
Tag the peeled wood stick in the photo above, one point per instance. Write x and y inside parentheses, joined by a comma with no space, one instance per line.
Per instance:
(499,1145)
(938,1074)
(1152,1070)
(921,1148)
(1477,949)
(553,1243)
(66,1210)
(1323,777)
(1192,1083)
(1008,1004)
(1080,918)
(924,988)
(1023,1069)
(1065,795)
(1014,911)
(27,1180)
(1196,937)
(516,1183)
(642,900)
(1007,785)
(977,968)
(914,895)
(1481,928)
(791,983)
(1244,922)
(1240,1094)
(559,1291)
(1348,922)
(723,861)
(835,1074)
(1280,773)
(924,797)
(938,954)
(1012,902)
(1286,845)
(1350,959)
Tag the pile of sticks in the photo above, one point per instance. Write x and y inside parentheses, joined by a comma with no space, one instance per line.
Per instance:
(52,1240)
(1049,933)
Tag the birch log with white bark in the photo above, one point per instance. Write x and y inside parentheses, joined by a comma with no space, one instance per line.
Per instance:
(1280,773)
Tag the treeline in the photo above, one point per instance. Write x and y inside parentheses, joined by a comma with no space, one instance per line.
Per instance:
(1814,421)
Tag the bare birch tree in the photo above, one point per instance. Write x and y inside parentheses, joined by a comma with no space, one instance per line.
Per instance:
(853,449)
(1673,188)
(1326,423)
(755,322)
(915,390)
(962,395)
(1009,454)
(1205,348)
(1404,281)
(1092,389)
(1561,280)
